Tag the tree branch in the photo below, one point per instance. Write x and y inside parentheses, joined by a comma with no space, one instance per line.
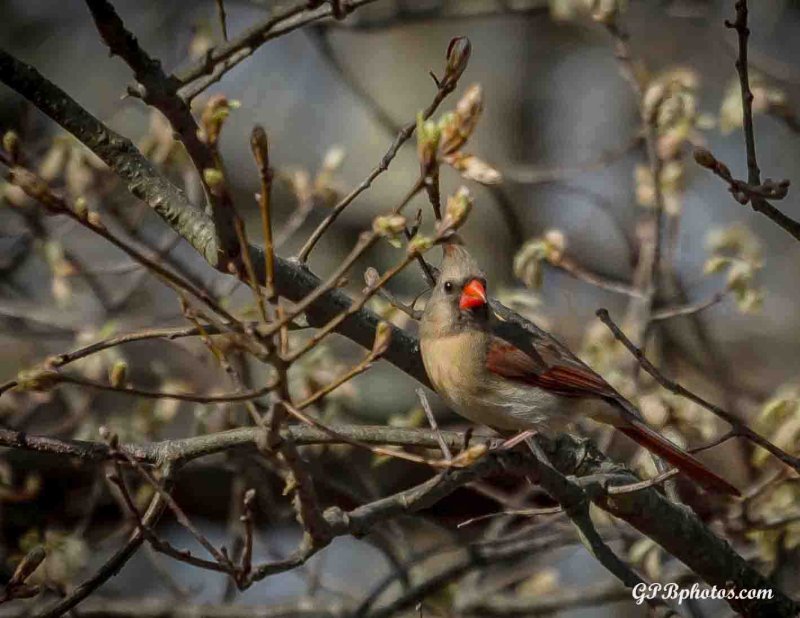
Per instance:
(292,280)
(160,91)
(758,203)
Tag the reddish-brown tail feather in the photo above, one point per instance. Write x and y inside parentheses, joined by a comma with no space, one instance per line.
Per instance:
(675,456)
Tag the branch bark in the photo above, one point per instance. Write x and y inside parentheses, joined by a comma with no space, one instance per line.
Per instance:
(672,526)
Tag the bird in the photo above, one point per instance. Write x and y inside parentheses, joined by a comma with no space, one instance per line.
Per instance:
(542,388)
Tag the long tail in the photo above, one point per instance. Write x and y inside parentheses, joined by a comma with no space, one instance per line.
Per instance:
(658,445)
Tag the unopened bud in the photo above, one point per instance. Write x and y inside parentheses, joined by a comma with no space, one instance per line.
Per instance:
(371,277)
(458,208)
(389,225)
(37,380)
(383,337)
(556,243)
(451,136)
(81,207)
(653,98)
(11,145)
(419,244)
(213,177)
(428,136)
(458,53)
(214,115)
(93,217)
(456,127)
(474,168)
(33,185)
(704,158)
(471,455)
(259,144)
(27,566)
(109,436)
(118,374)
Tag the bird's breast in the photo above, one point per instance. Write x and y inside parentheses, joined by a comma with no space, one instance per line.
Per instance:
(456,367)
(455,363)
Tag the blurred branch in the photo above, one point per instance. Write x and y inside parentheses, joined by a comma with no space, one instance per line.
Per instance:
(647,273)
(222,58)
(167,608)
(112,566)
(530,605)
(739,428)
(410,14)
(319,36)
(479,555)
(576,270)
(532,175)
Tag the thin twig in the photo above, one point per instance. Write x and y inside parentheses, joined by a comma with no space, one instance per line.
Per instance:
(260,147)
(674,312)
(138,392)
(423,399)
(444,88)
(759,204)
(221,59)
(740,428)
(111,566)
(223,19)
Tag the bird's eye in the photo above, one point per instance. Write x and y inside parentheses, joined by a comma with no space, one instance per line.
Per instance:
(448,286)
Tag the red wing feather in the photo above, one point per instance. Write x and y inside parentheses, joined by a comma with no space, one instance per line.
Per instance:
(509,361)
(569,379)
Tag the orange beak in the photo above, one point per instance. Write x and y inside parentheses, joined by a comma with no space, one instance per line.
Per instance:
(473,295)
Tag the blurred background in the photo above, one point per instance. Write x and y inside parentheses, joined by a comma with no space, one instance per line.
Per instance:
(560,124)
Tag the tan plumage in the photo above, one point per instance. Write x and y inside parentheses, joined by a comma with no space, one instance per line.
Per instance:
(492,382)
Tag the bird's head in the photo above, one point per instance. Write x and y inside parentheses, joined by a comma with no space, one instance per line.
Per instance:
(459,298)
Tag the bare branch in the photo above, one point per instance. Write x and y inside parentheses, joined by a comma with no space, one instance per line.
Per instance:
(291,280)
(739,428)
(223,58)
(444,88)
(112,566)
(758,203)
(161,91)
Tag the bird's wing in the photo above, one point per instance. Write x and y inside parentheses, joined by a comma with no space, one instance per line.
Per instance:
(545,368)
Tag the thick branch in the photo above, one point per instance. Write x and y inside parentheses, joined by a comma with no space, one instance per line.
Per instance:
(672,526)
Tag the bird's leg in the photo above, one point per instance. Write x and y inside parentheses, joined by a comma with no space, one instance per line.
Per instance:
(522,436)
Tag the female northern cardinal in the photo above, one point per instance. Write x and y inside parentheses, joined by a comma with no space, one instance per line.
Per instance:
(491,381)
